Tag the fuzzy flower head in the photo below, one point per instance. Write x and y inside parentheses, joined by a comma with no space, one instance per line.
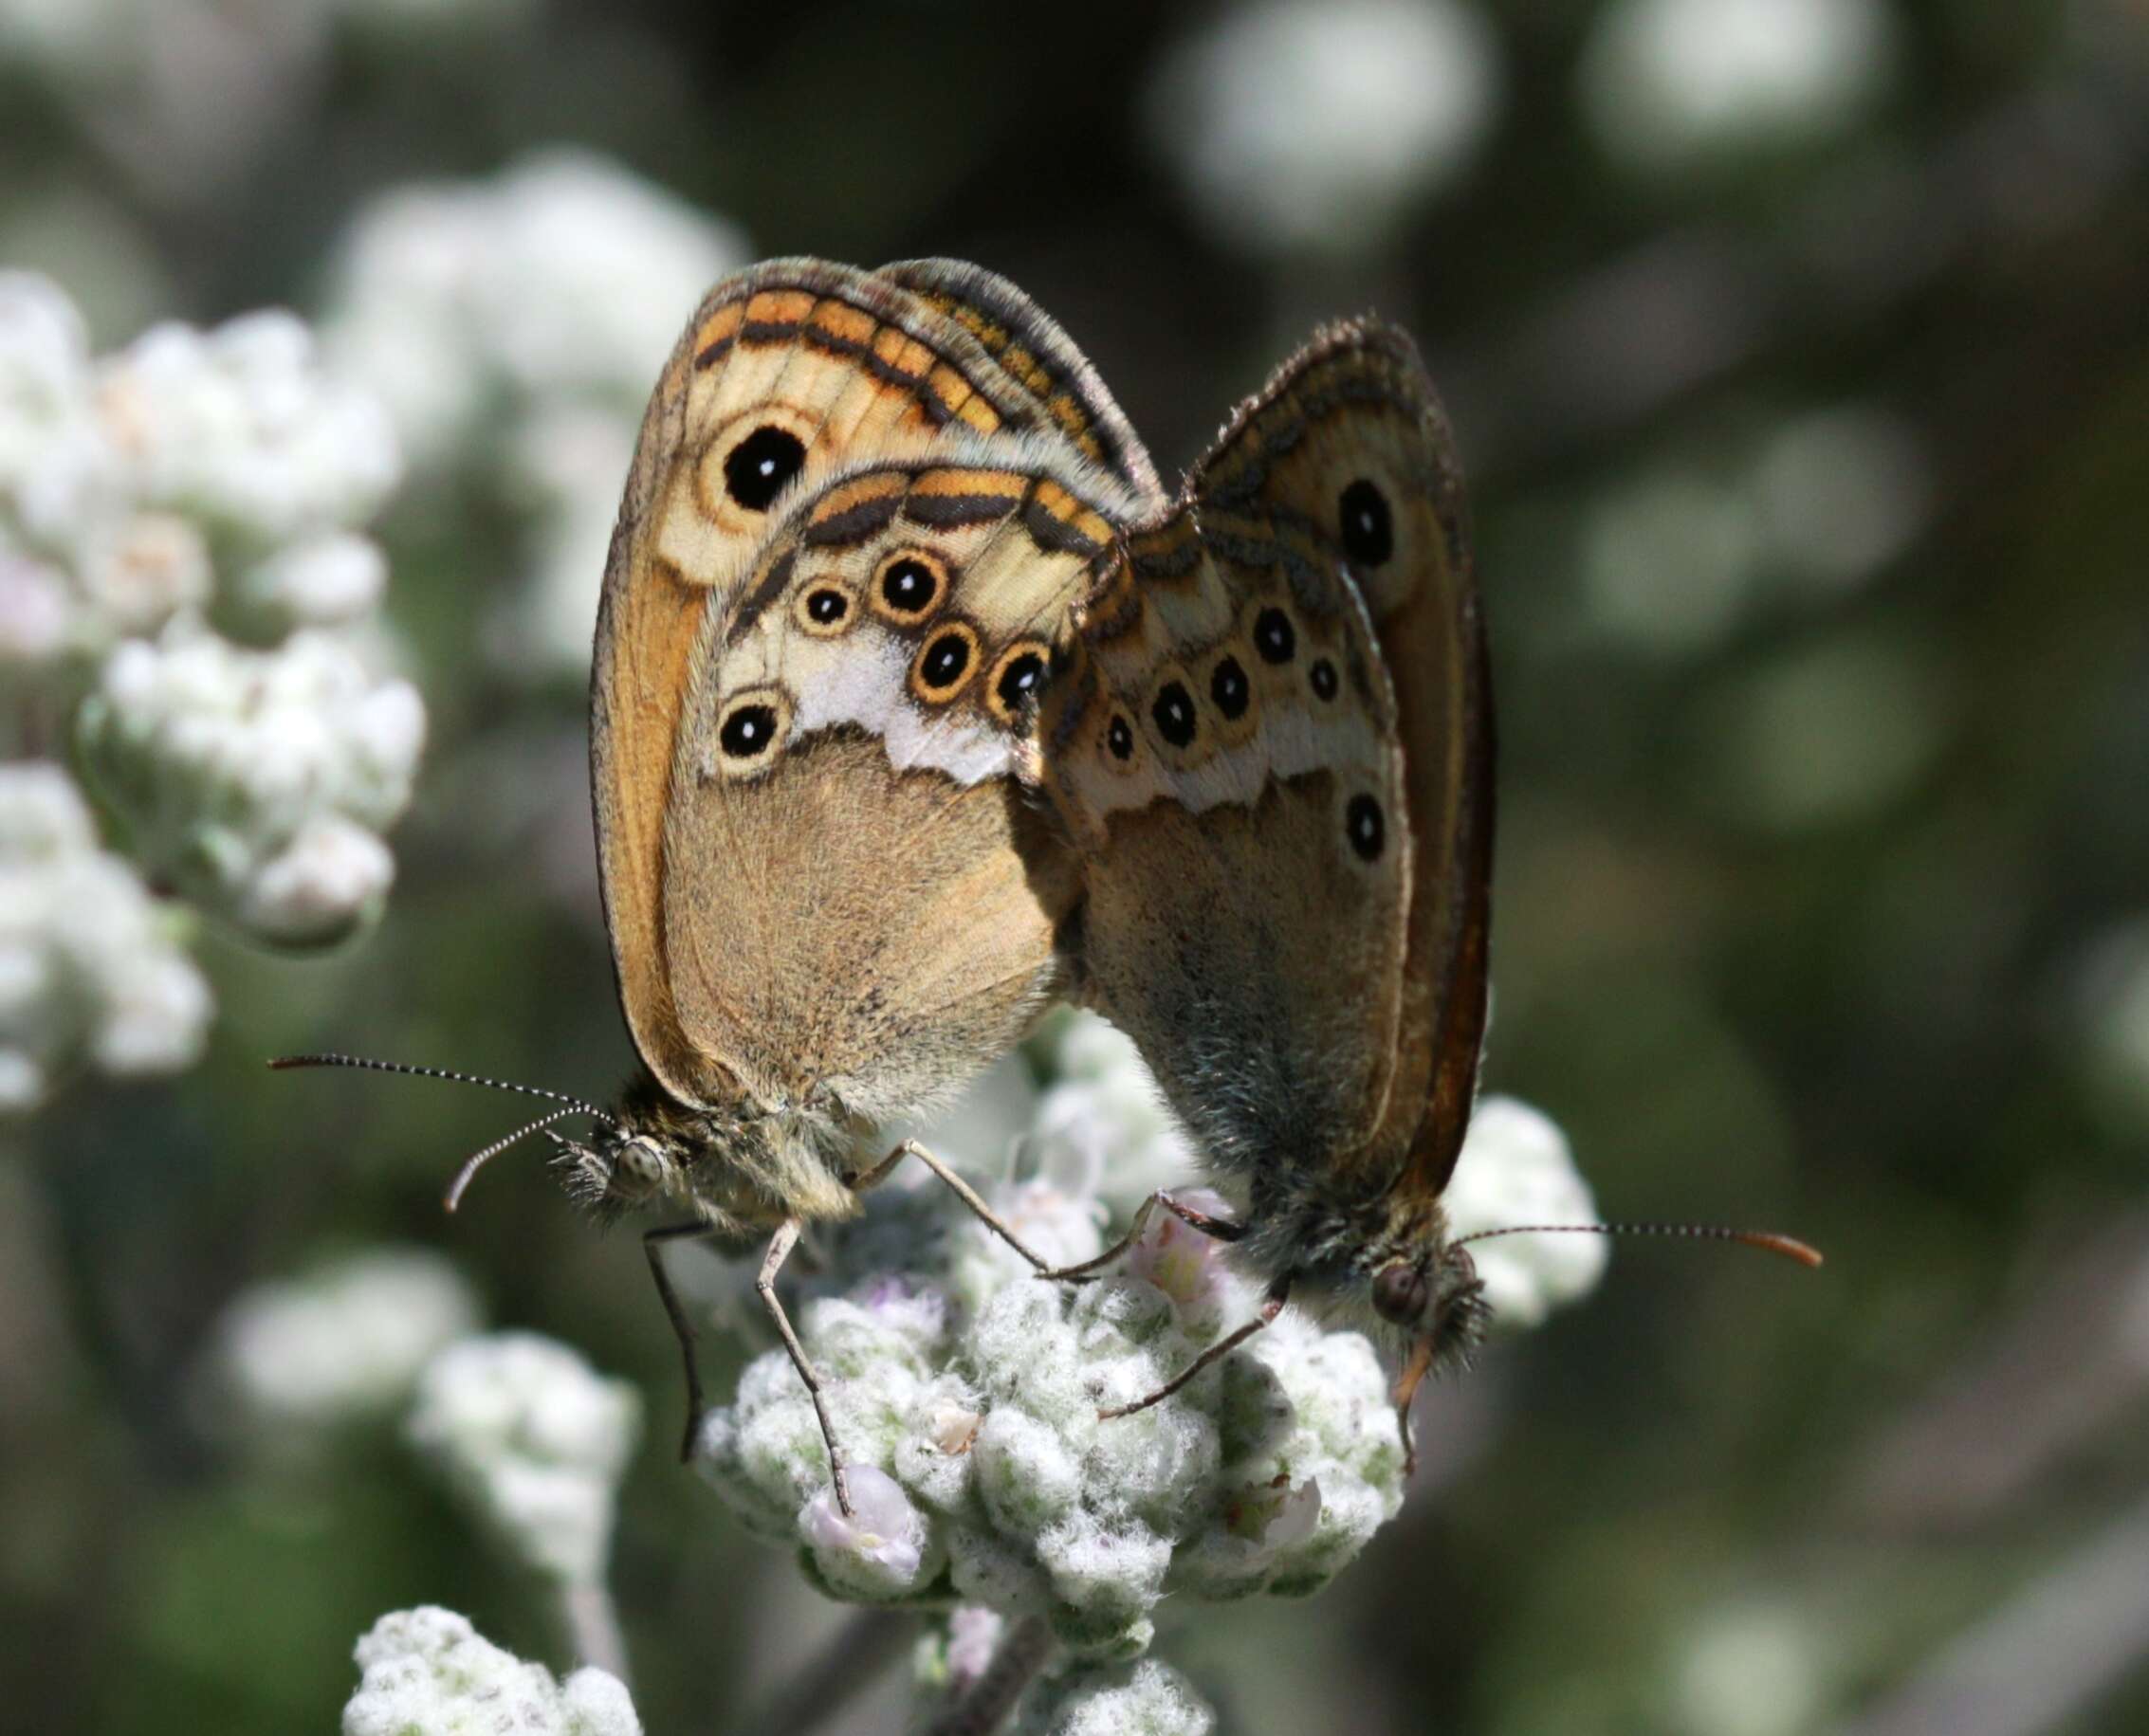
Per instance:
(91,968)
(428,1670)
(1143,1699)
(295,1357)
(967,1390)
(535,1441)
(513,326)
(258,782)
(1299,126)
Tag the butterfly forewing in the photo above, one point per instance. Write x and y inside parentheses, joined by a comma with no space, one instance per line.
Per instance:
(786,373)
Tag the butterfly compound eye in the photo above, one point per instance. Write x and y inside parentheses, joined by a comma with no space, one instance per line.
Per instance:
(1400,1294)
(1368,531)
(758,467)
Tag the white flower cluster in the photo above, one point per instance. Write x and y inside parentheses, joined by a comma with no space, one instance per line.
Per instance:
(428,1670)
(967,1392)
(536,1441)
(180,541)
(257,782)
(1315,125)
(90,966)
(293,1359)
(192,473)
(513,327)
(1668,84)
(1517,1168)
(1143,1699)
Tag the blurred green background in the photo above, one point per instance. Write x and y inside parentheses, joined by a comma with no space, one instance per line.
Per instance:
(1799,354)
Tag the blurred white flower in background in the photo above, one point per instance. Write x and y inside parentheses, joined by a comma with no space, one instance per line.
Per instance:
(1517,1168)
(1679,555)
(1316,125)
(194,485)
(429,1673)
(1751,1668)
(257,782)
(1668,558)
(185,93)
(513,327)
(2110,997)
(292,1358)
(1827,733)
(1666,83)
(1839,491)
(91,968)
(536,1441)
(243,431)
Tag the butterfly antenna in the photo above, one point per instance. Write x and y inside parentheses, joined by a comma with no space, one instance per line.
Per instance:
(574,1103)
(1790,1247)
(478,1160)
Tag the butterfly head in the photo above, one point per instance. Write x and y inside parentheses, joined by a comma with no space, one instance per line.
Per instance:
(620,1169)
(1434,1297)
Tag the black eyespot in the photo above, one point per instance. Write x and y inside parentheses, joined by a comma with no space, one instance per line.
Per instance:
(759,465)
(747,731)
(907,587)
(1229,688)
(1275,638)
(1366,828)
(1119,738)
(1400,1294)
(1368,531)
(944,660)
(1173,709)
(1021,677)
(827,607)
(1322,675)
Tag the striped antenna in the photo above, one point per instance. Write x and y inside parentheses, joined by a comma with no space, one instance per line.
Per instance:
(477,1159)
(283,1062)
(1767,1240)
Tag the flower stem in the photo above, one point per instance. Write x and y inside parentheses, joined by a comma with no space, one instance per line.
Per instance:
(847,1664)
(1021,1653)
(591,1621)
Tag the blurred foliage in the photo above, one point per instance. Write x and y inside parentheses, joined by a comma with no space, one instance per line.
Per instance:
(1825,853)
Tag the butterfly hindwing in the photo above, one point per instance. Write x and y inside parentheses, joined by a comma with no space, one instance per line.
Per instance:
(860,899)
(1273,755)
(1224,752)
(1349,440)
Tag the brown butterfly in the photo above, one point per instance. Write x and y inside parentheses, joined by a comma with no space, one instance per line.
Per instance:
(891,561)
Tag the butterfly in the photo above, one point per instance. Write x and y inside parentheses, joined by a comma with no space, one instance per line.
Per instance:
(917,706)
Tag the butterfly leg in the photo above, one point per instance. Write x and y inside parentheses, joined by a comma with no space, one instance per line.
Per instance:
(962,1190)
(780,1248)
(1223,1229)
(652,1241)
(1272,1304)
